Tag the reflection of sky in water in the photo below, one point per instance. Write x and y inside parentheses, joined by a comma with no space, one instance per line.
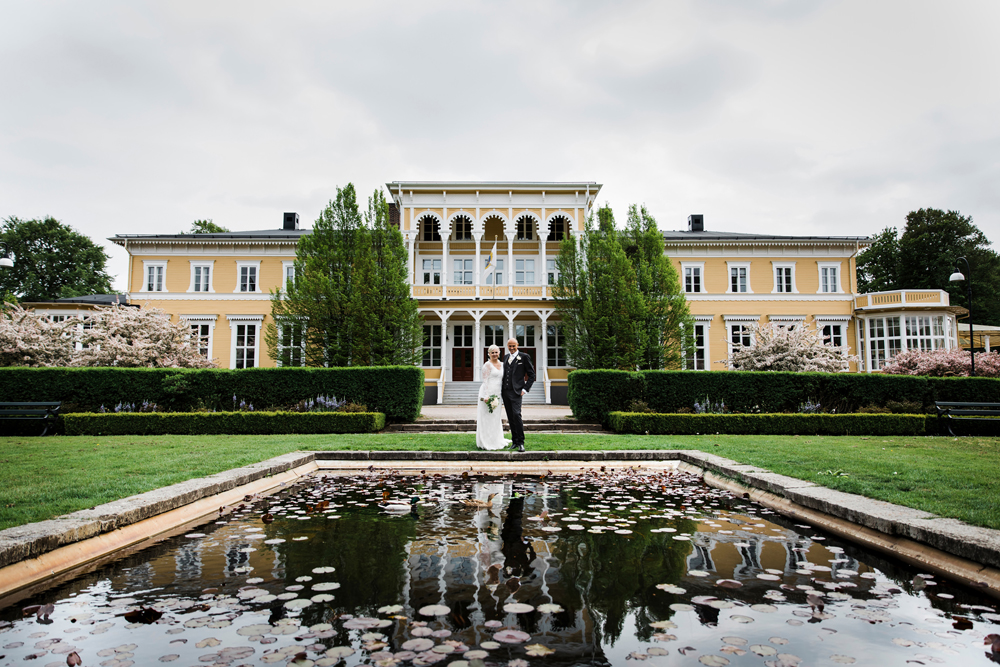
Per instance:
(240,573)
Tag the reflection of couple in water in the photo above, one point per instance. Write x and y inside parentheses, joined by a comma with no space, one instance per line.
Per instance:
(509,557)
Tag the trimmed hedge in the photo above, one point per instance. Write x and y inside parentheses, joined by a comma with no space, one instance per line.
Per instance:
(769,424)
(398,391)
(221,423)
(594,394)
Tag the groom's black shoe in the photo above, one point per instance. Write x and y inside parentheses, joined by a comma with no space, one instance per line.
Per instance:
(520,449)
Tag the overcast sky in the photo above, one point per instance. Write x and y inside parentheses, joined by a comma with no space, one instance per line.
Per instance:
(773,116)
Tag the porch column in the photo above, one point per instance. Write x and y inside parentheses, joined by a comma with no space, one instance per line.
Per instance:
(444,315)
(445,240)
(541,372)
(478,236)
(510,314)
(544,234)
(477,361)
(411,269)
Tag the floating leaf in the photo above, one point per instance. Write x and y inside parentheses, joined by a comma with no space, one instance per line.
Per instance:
(735,641)
(728,583)
(518,608)
(339,652)
(657,650)
(489,646)
(391,609)
(435,610)
(419,644)
(764,650)
(549,608)
(538,650)
(511,636)
(326,586)
(713,660)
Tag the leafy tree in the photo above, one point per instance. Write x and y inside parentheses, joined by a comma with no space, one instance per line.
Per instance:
(385,318)
(666,309)
(782,348)
(598,299)
(878,264)
(51,261)
(205,227)
(350,298)
(925,255)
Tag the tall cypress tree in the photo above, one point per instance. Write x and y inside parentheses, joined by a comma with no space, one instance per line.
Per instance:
(598,299)
(385,317)
(350,301)
(666,310)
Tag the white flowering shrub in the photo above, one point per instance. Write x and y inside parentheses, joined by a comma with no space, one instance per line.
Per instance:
(135,338)
(28,340)
(780,348)
(117,336)
(943,363)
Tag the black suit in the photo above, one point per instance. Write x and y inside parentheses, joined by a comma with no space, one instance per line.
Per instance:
(513,382)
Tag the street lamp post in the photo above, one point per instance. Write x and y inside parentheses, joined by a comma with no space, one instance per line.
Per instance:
(5,261)
(957,277)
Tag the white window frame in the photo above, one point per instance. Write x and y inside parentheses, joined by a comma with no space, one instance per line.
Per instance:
(459,275)
(749,321)
(298,321)
(554,348)
(286,268)
(524,272)
(699,268)
(829,265)
(202,263)
(551,275)
(235,321)
(790,321)
(210,320)
(425,348)
(455,230)
(148,264)
(729,277)
(240,265)
(834,320)
(774,277)
(439,271)
(704,321)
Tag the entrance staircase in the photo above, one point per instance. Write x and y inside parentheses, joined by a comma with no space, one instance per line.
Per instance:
(467,393)
(554,425)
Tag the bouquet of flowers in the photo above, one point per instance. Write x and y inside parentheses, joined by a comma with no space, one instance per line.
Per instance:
(492,402)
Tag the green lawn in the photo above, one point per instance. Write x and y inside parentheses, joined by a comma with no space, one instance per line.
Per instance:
(44,477)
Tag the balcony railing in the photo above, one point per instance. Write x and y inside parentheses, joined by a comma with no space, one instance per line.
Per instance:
(482,291)
(901,298)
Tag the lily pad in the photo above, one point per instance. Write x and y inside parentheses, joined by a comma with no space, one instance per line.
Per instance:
(517,608)
(435,610)
(511,637)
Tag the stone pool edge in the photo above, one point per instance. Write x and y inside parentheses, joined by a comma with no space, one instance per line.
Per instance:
(39,551)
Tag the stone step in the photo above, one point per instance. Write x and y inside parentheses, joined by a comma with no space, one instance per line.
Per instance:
(468,426)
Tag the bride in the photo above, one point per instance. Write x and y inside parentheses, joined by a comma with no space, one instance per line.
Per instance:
(489,427)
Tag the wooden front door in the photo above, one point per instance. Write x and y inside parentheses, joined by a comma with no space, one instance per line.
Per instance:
(461,364)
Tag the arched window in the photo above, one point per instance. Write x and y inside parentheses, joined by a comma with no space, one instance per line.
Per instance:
(558,229)
(524,228)
(463,228)
(430,227)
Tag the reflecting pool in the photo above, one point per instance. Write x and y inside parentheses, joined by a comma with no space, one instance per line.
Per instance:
(603,567)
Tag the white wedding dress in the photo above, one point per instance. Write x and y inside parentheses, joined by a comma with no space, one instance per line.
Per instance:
(489,425)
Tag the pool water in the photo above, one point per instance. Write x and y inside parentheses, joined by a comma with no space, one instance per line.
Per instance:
(603,567)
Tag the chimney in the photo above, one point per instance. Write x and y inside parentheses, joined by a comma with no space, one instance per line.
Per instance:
(291,221)
(696,223)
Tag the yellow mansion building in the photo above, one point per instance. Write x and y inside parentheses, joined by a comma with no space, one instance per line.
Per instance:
(219,284)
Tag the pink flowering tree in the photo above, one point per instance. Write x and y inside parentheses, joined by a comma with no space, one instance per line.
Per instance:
(781,348)
(943,363)
(29,340)
(137,337)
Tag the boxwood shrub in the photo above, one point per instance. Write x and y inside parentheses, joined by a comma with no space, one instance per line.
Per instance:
(397,391)
(769,424)
(229,423)
(594,394)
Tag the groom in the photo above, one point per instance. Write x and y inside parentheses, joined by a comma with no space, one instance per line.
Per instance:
(516,365)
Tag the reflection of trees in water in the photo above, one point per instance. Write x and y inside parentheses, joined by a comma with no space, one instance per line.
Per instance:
(613,575)
(369,554)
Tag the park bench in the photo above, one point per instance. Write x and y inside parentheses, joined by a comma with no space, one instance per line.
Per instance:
(24,411)
(949,412)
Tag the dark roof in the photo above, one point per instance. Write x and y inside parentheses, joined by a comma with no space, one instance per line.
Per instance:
(97,299)
(680,235)
(262,234)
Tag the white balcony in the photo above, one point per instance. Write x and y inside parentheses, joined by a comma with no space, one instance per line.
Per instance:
(482,292)
(900,299)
